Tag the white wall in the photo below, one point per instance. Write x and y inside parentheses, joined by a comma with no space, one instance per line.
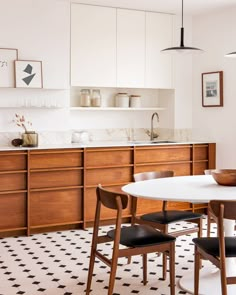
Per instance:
(215,33)
(183,76)
(40,30)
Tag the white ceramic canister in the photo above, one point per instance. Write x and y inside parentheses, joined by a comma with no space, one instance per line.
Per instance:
(122,100)
(135,101)
(80,137)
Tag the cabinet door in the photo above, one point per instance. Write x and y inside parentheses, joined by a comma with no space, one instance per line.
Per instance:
(93,46)
(159,29)
(130,48)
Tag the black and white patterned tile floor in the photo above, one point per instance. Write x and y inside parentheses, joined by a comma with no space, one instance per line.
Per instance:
(57,263)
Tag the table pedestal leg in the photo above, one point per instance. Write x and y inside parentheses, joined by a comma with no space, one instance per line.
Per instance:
(209,282)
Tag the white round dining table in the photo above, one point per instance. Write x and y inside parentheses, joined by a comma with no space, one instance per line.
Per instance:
(195,189)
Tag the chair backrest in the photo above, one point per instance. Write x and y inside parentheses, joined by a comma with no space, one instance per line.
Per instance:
(226,208)
(207,171)
(152,175)
(110,199)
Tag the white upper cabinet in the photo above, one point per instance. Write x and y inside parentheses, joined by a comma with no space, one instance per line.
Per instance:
(130,48)
(93,46)
(120,48)
(159,28)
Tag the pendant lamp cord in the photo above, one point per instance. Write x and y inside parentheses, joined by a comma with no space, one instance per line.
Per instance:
(182,28)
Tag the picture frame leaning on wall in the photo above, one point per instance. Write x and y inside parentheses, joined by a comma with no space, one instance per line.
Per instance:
(7,69)
(28,74)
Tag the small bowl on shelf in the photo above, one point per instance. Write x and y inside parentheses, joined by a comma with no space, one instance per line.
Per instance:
(225,177)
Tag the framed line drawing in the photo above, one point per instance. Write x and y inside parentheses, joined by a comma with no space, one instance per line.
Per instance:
(212,89)
(28,74)
(7,69)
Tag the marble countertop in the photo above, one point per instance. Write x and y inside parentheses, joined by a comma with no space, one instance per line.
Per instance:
(97,144)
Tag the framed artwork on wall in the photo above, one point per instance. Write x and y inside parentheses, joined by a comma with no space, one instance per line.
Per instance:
(28,74)
(7,59)
(212,89)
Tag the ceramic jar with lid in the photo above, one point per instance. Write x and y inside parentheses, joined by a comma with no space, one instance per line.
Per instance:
(122,100)
(85,100)
(135,101)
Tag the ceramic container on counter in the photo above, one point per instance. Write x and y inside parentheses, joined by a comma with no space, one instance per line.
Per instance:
(80,137)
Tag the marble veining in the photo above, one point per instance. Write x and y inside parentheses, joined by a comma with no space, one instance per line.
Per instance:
(101,136)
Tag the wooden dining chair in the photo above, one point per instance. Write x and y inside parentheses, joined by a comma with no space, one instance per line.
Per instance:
(216,249)
(161,219)
(138,239)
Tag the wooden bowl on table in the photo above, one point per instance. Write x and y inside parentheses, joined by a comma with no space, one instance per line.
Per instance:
(225,176)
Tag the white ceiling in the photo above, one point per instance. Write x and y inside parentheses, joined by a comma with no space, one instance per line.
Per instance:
(171,6)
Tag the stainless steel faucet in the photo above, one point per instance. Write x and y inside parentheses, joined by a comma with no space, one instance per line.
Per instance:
(152,134)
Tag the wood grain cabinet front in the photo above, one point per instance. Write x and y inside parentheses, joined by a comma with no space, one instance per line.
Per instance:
(55,189)
(46,190)
(110,167)
(13,193)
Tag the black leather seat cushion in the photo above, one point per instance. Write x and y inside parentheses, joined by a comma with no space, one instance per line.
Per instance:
(169,216)
(141,235)
(211,246)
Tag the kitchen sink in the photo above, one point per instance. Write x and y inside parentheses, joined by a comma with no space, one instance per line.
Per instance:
(151,142)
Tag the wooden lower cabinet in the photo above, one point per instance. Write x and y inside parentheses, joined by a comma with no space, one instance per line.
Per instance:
(183,160)
(13,193)
(48,208)
(13,212)
(46,190)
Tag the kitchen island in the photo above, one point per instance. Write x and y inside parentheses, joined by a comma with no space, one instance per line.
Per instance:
(53,187)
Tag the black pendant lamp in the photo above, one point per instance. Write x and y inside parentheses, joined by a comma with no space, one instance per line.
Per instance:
(231,54)
(182,48)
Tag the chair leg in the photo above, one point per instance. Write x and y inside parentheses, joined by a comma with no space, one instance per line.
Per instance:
(90,272)
(164,265)
(223,279)
(164,257)
(199,236)
(172,268)
(144,269)
(196,272)
(112,275)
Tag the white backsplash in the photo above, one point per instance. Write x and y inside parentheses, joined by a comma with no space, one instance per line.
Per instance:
(122,134)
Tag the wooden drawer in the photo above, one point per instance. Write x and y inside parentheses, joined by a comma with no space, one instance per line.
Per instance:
(200,152)
(100,158)
(12,181)
(13,210)
(180,169)
(179,205)
(56,160)
(53,207)
(49,179)
(108,175)
(12,162)
(198,168)
(163,154)
(90,205)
